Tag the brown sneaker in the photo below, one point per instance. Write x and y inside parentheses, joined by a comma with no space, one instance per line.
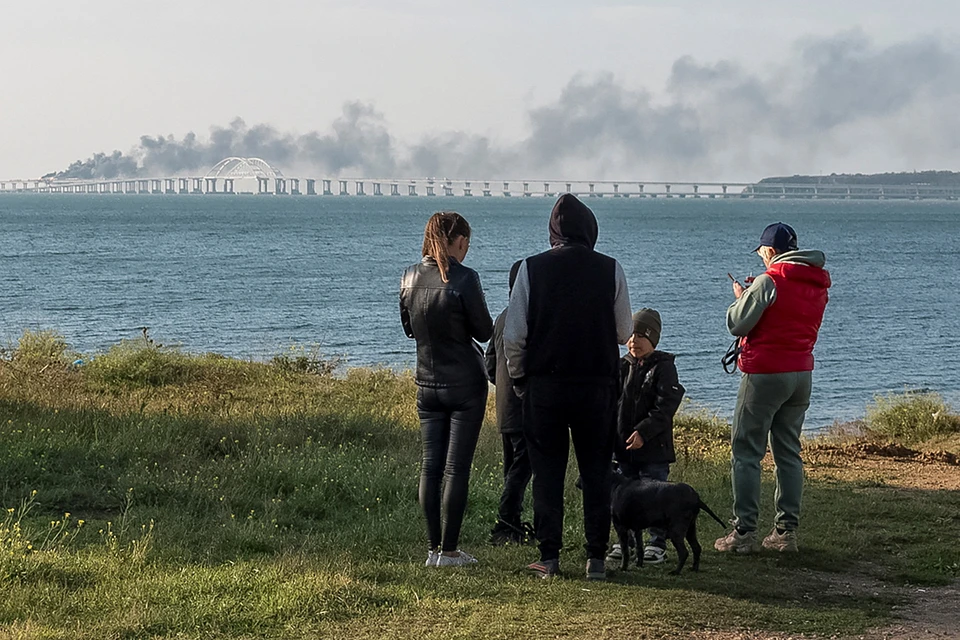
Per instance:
(737,542)
(785,542)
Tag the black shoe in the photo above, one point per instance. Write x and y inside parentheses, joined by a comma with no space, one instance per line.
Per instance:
(596,569)
(545,568)
(506,533)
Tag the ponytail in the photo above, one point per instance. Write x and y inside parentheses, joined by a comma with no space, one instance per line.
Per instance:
(442,229)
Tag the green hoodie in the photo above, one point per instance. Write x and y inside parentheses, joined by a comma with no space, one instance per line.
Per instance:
(744,314)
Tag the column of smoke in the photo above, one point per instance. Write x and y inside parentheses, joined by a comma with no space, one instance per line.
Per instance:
(834,98)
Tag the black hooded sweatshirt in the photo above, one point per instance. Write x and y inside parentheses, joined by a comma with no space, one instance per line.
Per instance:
(571,324)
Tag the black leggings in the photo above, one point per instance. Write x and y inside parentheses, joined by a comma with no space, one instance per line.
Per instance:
(450,419)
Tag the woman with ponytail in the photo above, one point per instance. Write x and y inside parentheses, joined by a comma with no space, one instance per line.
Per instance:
(443,308)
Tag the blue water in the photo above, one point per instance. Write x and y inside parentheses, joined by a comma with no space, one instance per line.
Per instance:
(250,276)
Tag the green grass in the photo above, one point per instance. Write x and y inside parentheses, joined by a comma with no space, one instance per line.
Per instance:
(231,499)
(912,417)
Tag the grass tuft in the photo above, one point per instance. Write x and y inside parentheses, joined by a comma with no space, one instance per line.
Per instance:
(911,417)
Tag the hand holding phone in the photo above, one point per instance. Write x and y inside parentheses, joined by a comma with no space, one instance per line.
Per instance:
(738,288)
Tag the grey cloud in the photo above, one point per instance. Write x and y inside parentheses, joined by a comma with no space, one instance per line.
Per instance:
(833,98)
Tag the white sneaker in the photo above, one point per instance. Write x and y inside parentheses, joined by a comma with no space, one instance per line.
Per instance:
(432,557)
(462,559)
(616,553)
(654,555)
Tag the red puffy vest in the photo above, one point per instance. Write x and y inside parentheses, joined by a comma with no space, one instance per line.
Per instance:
(783,340)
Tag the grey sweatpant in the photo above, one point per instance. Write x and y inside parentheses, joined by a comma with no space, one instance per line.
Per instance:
(770,408)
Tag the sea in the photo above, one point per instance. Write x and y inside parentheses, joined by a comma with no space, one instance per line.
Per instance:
(254,276)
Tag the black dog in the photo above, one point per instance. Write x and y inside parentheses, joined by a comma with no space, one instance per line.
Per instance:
(639,504)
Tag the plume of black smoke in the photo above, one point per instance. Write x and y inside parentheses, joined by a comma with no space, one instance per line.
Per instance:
(836,99)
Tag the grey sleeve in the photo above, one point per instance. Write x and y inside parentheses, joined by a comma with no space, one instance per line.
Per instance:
(744,314)
(621,307)
(515,325)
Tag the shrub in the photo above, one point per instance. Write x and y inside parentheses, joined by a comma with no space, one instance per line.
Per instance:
(141,362)
(911,417)
(39,349)
(298,359)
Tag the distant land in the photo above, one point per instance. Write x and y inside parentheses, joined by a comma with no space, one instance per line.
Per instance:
(932,178)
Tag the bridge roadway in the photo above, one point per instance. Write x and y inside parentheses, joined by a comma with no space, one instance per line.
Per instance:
(196,185)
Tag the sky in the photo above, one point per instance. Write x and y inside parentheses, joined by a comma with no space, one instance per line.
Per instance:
(566,89)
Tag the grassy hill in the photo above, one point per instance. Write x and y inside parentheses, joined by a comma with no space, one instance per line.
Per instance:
(152,493)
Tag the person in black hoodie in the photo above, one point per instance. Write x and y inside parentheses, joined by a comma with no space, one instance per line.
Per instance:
(650,394)
(442,306)
(516,462)
(568,313)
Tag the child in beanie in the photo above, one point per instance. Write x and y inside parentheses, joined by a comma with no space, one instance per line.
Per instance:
(650,395)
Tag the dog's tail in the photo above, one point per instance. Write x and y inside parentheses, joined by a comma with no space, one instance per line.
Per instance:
(704,507)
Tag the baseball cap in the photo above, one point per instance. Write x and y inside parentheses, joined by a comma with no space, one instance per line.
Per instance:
(780,236)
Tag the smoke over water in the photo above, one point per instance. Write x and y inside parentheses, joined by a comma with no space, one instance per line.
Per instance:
(837,103)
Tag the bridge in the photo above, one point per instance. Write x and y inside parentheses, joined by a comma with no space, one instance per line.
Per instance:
(232,176)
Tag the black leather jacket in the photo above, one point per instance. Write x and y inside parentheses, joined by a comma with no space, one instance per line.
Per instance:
(445,318)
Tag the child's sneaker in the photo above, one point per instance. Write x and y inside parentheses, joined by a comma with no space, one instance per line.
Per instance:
(737,542)
(460,560)
(432,557)
(782,542)
(654,555)
(616,553)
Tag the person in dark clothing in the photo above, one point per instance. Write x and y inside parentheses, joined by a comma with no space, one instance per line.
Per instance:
(442,306)
(516,462)
(568,312)
(650,394)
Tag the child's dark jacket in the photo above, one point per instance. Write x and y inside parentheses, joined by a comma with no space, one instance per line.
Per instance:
(650,395)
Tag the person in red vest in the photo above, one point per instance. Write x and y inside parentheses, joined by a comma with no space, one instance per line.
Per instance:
(778,318)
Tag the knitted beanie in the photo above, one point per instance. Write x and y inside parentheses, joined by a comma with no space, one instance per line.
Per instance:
(646,323)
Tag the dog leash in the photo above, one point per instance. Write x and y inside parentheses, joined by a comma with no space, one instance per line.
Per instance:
(729,359)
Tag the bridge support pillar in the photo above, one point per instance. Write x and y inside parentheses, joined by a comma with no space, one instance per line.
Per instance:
(359,190)
(394,189)
(724,187)
(228,185)
(431,190)
(311,187)
(294,186)
(263,186)
(616,190)
(593,192)
(197,185)
(668,190)
(448,188)
(506,189)
(526,190)
(486,190)
(327,187)
(467,191)
(696,191)
(343,188)
(377,189)
(169,185)
(183,185)
(412,189)
(569,186)
(546,190)
(280,186)
(211,185)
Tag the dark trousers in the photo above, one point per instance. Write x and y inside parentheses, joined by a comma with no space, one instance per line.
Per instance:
(655,470)
(555,411)
(516,476)
(450,420)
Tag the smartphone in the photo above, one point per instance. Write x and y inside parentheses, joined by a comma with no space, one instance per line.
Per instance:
(733,279)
